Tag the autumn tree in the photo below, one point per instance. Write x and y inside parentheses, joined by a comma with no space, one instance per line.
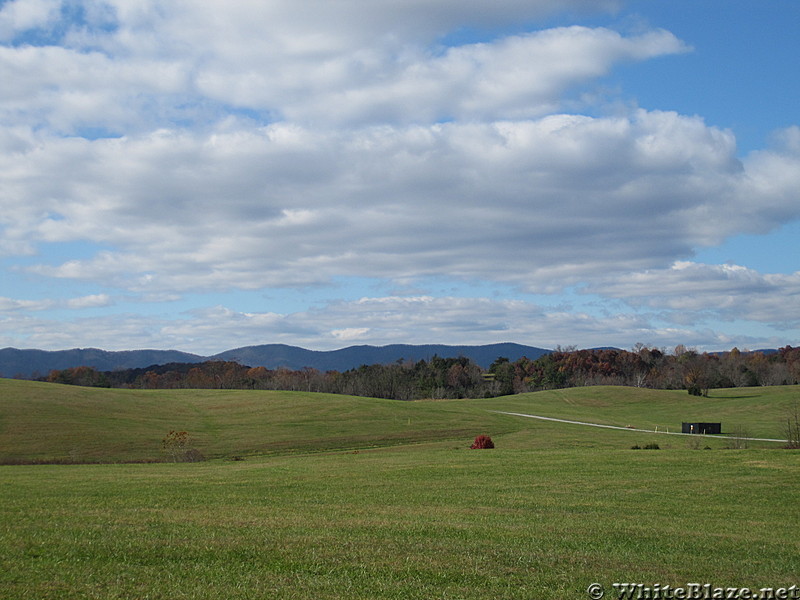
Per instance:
(176,444)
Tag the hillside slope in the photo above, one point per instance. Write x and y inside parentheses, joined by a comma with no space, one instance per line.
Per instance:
(51,422)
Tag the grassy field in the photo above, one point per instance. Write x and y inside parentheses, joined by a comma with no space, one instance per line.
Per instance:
(760,411)
(49,422)
(359,498)
(40,421)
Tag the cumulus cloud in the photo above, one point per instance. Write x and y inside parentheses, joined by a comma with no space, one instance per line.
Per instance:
(242,28)
(696,291)
(194,62)
(70,91)
(378,320)
(540,204)
(13,305)
(202,147)
(8,305)
(350,333)
(19,16)
(513,77)
(91,301)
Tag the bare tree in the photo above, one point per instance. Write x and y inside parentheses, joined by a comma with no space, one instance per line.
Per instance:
(792,426)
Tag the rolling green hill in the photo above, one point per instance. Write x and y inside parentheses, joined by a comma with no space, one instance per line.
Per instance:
(759,412)
(50,422)
(40,421)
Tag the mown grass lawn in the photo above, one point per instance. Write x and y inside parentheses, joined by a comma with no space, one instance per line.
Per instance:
(49,422)
(759,412)
(343,497)
(426,522)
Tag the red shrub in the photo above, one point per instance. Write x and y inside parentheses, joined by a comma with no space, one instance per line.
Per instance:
(482,442)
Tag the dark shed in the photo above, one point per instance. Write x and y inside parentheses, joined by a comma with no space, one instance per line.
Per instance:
(712,428)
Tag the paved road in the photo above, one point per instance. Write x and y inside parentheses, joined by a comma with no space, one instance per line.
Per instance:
(630,428)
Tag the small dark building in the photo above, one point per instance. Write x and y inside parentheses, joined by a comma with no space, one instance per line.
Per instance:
(705,428)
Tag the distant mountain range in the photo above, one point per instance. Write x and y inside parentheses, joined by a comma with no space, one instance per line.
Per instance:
(30,363)
(33,363)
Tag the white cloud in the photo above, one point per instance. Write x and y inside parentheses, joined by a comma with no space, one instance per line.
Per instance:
(692,292)
(68,90)
(539,203)
(13,305)
(91,301)
(350,333)
(240,29)
(344,62)
(514,77)
(8,305)
(18,16)
(286,144)
(378,321)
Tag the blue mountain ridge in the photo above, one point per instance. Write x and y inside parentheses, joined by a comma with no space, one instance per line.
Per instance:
(34,363)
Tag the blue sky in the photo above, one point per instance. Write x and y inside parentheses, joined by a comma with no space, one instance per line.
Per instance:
(203,176)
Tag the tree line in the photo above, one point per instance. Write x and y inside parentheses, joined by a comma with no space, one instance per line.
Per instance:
(681,368)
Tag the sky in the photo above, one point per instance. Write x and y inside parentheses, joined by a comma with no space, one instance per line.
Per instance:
(202,175)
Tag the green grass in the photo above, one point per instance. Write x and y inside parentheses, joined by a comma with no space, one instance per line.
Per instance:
(49,422)
(360,498)
(761,411)
(40,421)
(393,523)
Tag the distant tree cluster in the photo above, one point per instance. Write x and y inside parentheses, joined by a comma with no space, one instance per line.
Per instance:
(655,368)
(439,377)
(434,378)
(86,376)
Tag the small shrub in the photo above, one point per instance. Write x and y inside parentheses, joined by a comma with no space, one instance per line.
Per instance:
(176,445)
(636,447)
(482,442)
(693,443)
(193,455)
(739,439)
(652,447)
